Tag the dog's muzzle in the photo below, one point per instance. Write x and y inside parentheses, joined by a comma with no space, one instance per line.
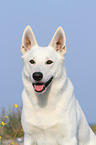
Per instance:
(40,87)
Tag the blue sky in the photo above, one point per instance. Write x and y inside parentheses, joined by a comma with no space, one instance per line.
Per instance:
(78,19)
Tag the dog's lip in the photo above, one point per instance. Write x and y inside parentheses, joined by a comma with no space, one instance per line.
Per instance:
(42,86)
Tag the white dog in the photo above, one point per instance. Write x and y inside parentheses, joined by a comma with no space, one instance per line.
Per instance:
(51,114)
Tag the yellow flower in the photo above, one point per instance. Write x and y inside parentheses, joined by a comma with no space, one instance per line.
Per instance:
(22,130)
(6,117)
(3,123)
(0,137)
(12,143)
(15,105)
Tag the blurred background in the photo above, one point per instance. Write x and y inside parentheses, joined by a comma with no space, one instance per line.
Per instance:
(78,19)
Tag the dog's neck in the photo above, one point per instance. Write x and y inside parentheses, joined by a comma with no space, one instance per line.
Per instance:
(50,97)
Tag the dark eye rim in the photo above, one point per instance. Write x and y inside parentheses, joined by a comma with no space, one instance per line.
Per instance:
(32,61)
(49,62)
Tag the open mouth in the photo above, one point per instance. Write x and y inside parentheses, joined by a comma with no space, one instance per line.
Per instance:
(40,87)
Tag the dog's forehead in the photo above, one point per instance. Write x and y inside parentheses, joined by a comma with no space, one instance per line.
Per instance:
(42,52)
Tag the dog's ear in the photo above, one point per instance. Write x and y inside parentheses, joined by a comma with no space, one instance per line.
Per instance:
(28,40)
(59,41)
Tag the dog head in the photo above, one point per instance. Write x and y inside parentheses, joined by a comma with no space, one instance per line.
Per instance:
(42,64)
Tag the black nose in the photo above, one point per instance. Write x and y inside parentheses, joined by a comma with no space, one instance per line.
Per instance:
(37,76)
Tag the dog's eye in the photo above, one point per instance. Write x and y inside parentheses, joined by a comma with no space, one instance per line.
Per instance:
(32,61)
(49,62)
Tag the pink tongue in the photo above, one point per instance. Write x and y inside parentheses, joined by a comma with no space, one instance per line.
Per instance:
(39,87)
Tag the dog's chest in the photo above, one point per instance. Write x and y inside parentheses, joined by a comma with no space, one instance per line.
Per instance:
(44,125)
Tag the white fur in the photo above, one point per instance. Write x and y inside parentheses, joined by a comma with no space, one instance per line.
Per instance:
(53,117)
